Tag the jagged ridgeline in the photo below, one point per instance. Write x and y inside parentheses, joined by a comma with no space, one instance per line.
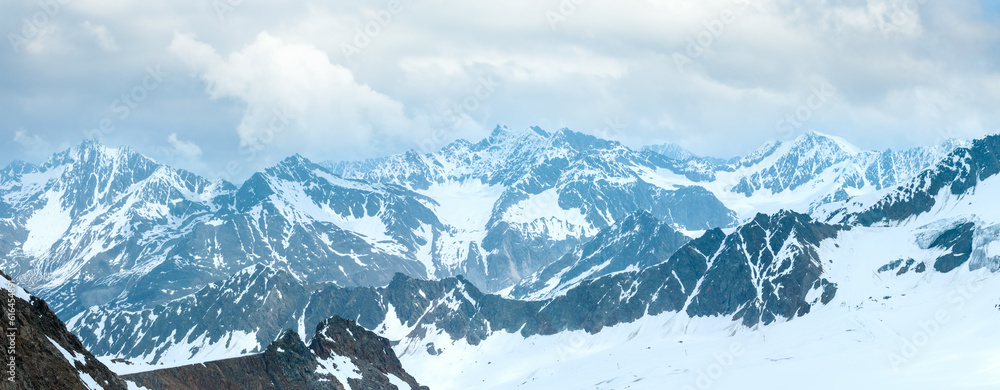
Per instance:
(342,355)
(98,226)
(764,270)
(528,233)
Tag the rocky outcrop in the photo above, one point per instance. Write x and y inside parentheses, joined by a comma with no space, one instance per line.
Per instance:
(39,353)
(371,354)
(342,355)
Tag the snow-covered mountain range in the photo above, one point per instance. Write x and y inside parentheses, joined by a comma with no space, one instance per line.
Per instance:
(517,201)
(98,226)
(522,237)
(764,270)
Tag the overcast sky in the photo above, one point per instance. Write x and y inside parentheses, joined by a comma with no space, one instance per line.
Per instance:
(226,87)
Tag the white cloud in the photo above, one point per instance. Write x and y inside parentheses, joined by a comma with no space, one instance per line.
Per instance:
(183,149)
(105,40)
(520,67)
(32,144)
(296,99)
(901,73)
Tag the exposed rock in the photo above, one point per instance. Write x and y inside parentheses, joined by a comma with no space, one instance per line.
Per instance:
(45,355)
(342,355)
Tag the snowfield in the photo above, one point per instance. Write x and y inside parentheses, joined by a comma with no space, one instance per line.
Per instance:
(913,331)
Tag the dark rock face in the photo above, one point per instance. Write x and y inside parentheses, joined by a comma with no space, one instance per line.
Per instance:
(372,354)
(287,363)
(758,288)
(711,275)
(901,268)
(958,241)
(40,349)
(453,304)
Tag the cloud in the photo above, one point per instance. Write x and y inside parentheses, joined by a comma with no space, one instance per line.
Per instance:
(272,79)
(105,40)
(32,144)
(183,149)
(295,98)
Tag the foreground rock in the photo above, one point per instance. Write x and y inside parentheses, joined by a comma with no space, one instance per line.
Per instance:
(342,355)
(45,355)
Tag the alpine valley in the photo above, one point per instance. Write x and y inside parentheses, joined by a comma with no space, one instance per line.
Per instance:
(529,259)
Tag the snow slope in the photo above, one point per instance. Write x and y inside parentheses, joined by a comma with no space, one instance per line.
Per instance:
(911,331)
(896,321)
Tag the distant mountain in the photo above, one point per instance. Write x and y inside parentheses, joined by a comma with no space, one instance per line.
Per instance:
(91,220)
(817,159)
(342,355)
(101,226)
(947,181)
(637,242)
(806,173)
(520,200)
(522,238)
(765,270)
(675,152)
(150,263)
(97,226)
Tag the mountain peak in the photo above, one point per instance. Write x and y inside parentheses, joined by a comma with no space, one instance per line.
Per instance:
(642,216)
(90,143)
(815,137)
(92,151)
(566,132)
(500,131)
(581,142)
(291,165)
(296,159)
(18,167)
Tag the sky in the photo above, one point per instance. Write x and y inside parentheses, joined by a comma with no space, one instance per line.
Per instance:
(224,88)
